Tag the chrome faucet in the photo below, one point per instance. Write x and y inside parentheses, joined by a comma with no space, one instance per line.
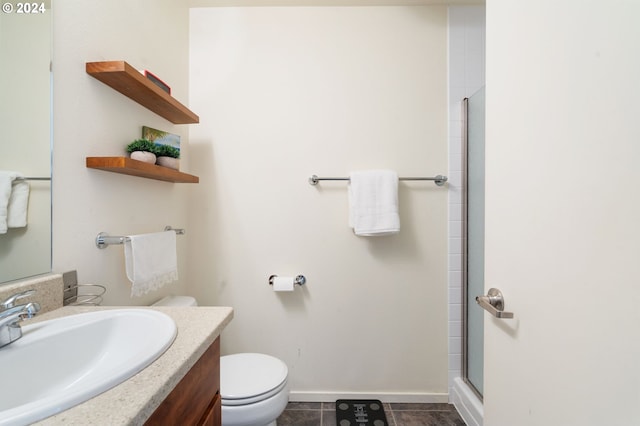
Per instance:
(10,315)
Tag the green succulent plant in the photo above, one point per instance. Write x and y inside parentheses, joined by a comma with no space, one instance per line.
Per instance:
(141,145)
(167,151)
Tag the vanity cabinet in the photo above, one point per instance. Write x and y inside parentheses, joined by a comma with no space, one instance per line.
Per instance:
(196,398)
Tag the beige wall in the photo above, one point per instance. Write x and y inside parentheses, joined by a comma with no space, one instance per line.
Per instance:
(91,119)
(284,93)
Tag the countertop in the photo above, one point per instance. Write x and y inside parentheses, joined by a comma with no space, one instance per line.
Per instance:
(133,401)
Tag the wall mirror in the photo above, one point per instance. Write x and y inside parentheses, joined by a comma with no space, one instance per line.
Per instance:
(25,125)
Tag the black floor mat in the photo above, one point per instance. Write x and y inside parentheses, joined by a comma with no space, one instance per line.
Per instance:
(360,412)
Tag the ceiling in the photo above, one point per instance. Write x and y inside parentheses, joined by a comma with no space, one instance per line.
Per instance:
(217,3)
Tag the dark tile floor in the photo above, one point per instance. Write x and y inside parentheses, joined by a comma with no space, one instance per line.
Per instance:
(324,414)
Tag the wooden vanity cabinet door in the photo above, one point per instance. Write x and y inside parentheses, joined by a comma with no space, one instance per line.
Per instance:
(217,411)
(195,400)
(214,416)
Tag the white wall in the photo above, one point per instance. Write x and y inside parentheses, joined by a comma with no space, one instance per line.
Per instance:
(284,93)
(91,119)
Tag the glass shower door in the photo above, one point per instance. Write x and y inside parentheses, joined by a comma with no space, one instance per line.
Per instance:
(474,240)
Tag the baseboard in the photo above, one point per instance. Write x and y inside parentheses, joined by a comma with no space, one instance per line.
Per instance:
(395,397)
(467,403)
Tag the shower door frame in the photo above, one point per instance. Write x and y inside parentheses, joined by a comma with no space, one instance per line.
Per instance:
(465,249)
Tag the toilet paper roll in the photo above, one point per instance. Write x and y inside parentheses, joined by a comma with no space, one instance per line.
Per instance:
(283,283)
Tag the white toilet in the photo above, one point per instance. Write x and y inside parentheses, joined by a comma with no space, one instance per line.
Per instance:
(253,387)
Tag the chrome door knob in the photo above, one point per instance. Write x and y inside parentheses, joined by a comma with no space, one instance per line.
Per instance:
(493,303)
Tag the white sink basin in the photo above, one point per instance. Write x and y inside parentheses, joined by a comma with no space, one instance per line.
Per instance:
(62,362)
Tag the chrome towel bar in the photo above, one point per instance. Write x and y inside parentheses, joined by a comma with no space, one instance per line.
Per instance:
(439,180)
(103,240)
(32,178)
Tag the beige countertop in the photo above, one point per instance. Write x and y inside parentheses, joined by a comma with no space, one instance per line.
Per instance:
(134,400)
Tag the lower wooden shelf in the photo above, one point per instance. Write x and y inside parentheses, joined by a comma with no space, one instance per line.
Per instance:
(127,166)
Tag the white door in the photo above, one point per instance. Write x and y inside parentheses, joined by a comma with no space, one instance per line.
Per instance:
(563,212)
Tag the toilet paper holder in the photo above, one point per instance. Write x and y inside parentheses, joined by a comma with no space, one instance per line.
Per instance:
(299,279)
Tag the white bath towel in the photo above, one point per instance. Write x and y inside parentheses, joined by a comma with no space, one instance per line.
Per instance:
(14,201)
(373,202)
(151,261)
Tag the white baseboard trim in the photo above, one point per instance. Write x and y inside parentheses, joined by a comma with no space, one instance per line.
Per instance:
(395,397)
(467,403)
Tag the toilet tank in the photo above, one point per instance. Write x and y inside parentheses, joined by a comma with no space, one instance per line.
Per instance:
(176,301)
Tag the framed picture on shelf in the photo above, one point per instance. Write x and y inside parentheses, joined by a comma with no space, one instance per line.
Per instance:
(161,137)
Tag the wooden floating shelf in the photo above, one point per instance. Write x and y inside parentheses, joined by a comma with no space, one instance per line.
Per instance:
(124,78)
(127,166)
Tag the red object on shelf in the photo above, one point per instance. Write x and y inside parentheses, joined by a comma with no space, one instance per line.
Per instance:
(154,78)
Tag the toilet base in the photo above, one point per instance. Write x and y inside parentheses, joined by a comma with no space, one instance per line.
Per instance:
(258,413)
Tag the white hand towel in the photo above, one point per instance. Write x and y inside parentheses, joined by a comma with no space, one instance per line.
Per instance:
(373,203)
(14,199)
(151,261)
(18,204)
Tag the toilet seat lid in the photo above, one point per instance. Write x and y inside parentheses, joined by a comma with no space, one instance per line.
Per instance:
(176,301)
(247,375)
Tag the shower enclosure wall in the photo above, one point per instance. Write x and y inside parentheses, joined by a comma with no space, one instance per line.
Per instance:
(467,27)
(466,392)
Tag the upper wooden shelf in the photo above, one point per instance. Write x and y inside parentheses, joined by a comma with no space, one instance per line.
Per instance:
(127,166)
(127,80)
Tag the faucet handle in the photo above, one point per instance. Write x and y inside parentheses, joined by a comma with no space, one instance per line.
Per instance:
(30,310)
(11,301)
(10,330)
